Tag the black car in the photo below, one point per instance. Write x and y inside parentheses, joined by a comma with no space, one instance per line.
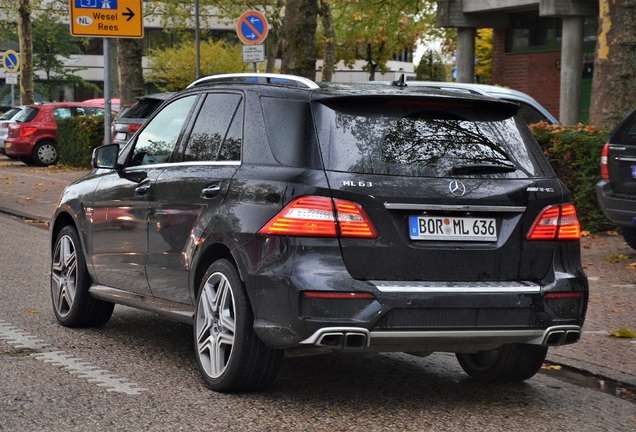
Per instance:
(275,214)
(616,191)
(130,119)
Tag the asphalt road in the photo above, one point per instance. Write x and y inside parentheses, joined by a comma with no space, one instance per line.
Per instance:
(138,372)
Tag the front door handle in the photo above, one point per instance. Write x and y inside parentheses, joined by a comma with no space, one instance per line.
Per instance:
(142,189)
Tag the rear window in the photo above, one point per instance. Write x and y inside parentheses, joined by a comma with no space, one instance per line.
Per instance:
(143,108)
(428,138)
(26,115)
(626,132)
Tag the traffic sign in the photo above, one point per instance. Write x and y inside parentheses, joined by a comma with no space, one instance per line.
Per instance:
(11,61)
(252,27)
(11,78)
(253,53)
(107,18)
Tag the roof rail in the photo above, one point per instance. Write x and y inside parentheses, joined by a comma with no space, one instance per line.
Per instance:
(266,78)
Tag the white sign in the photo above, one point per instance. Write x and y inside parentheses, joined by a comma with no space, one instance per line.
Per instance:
(12,78)
(253,53)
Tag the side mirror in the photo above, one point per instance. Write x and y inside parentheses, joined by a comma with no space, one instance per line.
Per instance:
(105,156)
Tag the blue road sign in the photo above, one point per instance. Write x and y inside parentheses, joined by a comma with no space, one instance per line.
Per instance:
(252,27)
(96,4)
(11,61)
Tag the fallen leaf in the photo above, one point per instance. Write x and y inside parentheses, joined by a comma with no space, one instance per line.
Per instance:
(632,265)
(33,311)
(9,183)
(31,198)
(623,333)
(615,310)
(551,367)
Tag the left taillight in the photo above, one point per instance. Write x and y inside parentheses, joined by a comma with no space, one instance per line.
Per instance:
(26,131)
(315,216)
(556,222)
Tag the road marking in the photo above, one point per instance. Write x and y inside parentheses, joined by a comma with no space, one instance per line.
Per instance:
(75,366)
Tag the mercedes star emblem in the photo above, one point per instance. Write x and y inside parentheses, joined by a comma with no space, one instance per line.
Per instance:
(457,188)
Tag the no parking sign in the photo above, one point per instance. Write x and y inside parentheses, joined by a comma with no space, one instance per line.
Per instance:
(252,27)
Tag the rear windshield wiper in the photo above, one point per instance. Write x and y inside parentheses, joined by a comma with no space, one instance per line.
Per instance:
(482,168)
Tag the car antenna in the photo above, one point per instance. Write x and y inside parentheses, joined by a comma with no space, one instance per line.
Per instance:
(400,82)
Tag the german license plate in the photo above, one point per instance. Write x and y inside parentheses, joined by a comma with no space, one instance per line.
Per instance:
(452,228)
(120,136)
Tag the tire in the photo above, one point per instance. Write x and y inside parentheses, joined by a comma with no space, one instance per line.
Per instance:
(45,153)
(230,356)
(511,362)
(629,234)
(27,160)
(72,303)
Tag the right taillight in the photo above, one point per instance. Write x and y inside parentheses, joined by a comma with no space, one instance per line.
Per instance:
(604,158)
(556,222)
(133,127)
(315,216)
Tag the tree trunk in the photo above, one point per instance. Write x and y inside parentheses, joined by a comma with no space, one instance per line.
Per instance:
(614,83)
(131,77)
(25,38)
(329,62)
(299,51)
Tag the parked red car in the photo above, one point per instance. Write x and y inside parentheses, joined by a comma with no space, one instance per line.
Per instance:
(33,136)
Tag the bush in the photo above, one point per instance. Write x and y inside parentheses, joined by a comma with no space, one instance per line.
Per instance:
(77,137)
(575,153)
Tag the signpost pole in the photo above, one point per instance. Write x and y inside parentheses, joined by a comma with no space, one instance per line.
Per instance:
(107,119)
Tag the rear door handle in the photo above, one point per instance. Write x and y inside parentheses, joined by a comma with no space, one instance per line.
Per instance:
(211,191)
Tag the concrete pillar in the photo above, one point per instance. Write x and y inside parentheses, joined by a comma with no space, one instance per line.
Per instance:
(571,70)
(466,55)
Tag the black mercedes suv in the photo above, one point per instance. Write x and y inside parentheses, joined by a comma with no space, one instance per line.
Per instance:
(276,214)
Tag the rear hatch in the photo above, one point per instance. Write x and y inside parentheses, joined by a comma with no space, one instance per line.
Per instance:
(452,186)
(621,158)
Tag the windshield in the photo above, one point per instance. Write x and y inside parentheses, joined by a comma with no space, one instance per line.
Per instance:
(406,137)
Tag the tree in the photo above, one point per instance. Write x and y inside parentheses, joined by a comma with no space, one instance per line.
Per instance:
(53,44)
(25,38)
(374,31)
(299,51)
(130,72)
(168,73)
(483,52)
(614,81)
(430,67)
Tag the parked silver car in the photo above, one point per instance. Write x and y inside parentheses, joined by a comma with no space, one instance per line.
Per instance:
(530,110)
(5,120)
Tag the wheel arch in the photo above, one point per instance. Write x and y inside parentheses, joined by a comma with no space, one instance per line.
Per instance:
(205,258)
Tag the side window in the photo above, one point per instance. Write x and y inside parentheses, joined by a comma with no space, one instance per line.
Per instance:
(61,113)
(218,131)
(79,111)
(158,139)
(530,114)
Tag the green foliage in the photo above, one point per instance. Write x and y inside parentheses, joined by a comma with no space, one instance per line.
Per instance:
(483,52)
(430,67)
(575,153)
(171,70)
(77,137)
(375,31)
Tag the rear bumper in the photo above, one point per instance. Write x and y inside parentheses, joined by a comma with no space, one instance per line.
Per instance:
(412,316)
(17,147)
(621,210)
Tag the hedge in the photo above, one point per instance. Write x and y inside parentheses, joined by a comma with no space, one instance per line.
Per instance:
(77,137)
(575,154)
(573,151)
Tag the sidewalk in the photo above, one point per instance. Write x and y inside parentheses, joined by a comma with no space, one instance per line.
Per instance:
(32,193)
